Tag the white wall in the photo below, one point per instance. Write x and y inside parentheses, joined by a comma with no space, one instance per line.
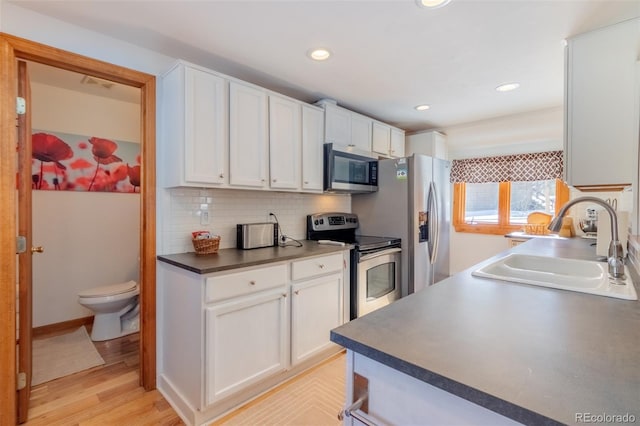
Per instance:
(228,207)
(532,132)
(90,239)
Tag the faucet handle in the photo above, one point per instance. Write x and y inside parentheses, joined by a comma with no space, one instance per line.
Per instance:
(616,260)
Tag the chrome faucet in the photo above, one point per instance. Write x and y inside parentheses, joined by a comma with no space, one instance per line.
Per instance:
(614,259)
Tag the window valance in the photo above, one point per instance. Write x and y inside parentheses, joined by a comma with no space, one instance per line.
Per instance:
(509,168)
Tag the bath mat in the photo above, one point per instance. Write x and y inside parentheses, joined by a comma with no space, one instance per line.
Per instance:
(62,355)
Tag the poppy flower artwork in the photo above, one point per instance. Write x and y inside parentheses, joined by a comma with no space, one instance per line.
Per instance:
(67,162)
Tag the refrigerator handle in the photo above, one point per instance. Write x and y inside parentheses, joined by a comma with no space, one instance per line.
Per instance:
(435,221)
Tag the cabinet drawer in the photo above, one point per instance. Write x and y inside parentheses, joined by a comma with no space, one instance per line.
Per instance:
(245,282)
(315,266)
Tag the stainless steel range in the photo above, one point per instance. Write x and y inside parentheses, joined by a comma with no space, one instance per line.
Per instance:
(375,261)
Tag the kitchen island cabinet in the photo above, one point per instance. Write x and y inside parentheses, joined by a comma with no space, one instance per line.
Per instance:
(237,323)
(524,353)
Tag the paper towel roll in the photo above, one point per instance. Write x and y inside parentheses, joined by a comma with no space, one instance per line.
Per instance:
(604,232)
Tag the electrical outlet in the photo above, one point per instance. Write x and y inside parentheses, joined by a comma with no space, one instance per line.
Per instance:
(204,217)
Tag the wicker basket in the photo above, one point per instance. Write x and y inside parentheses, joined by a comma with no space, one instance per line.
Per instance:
(206,245)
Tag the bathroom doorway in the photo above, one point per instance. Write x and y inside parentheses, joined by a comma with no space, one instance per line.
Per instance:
(85,209)
(13,49)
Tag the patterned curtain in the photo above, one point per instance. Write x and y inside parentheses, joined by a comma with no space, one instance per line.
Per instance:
(508,168)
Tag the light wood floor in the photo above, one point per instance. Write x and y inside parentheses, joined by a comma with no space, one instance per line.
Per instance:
(110,395)
(105,395)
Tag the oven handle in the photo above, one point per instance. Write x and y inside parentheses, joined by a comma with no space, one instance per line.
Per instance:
(379,253)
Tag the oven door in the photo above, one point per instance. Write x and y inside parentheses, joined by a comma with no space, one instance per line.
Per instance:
(378,279)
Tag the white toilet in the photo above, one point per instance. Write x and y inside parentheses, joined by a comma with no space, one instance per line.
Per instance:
(116,309)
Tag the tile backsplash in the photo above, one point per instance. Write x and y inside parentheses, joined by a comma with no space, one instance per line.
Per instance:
(228,207)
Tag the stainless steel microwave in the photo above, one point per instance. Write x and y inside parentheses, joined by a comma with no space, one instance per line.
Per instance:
(347,169)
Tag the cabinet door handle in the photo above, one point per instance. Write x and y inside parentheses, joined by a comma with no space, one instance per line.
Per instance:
(275,180)
(296,292)
(221,175)
(306,182)
(284,295)
(252,282)
(321,266)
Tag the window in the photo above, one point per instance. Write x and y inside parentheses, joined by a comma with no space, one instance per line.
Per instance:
(500,208)
(494,195)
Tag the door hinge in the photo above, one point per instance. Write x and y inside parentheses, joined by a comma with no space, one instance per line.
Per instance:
(21,244)
(22,380)
(21,106)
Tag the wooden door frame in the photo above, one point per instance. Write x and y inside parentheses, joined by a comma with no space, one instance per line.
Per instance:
(11,49)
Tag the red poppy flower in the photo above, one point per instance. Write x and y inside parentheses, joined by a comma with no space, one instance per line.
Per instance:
(119,173)
(103,150)
(50,149)
(134,175)
(80,163)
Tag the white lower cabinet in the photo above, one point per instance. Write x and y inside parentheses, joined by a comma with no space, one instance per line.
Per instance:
(246,341)
(316,309)
(228,336)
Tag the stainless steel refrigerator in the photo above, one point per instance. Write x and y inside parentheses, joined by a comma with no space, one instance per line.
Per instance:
(413,202)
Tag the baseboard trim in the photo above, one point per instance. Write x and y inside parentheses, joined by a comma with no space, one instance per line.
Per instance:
(60,326)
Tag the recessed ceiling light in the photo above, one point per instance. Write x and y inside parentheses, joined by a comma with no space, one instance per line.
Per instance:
(507,87)
(422,107)
(432,4)
(319,54)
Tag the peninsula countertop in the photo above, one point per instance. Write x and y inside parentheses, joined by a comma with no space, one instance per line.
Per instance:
(534,354)
(231,258)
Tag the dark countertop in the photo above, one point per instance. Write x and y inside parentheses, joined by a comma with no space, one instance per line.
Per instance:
(232,258)
(534,354)
(524,236)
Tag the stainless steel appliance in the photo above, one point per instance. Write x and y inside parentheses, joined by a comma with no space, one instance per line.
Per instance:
(256,235)
(412,202)
(349,170)
(375,261)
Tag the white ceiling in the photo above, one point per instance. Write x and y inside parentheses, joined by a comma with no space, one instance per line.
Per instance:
(388,55)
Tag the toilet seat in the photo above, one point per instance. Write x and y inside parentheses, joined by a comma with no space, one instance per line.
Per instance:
(109,290)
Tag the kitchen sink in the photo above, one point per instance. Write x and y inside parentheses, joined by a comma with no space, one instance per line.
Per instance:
(582,276)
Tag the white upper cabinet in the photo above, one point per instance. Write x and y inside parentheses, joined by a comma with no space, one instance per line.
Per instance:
(349,129)
(381,138)
(397,142)
(248,136)
(285,140)
(387,140)
(360,132)
(337,125)
(195,128)
(430,143)
(312,151)
(601,140)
